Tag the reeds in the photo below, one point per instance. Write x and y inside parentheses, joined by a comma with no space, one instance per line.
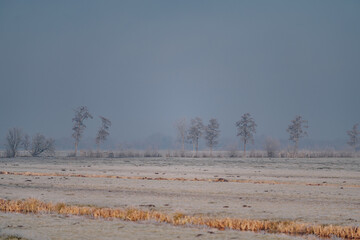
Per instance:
(271,182)
(178,219)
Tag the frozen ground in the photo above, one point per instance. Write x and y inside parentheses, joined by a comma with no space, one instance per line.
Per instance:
(54,227)
(313,190)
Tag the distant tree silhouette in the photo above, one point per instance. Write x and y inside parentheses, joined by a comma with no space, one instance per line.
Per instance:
(212,133)
(13,141)
(81,114)
(103,132)
(38,145)
(246,127)
(297,130)
(195,132)
(181,128)
(354,138)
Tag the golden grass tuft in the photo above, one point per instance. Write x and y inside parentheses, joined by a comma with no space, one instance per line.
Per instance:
(178,219)
(36,174)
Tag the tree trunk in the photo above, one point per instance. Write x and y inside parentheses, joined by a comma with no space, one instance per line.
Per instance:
(244,149)
(211,151)
(98,150)
(76,146)
(355,146)
(183,143)
(296,148)
(197,147)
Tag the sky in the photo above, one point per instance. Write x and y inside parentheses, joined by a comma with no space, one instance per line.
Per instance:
(146,64)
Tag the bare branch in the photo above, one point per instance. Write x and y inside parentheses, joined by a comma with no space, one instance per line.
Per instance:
(195,132)
(181,127)
(212,133)
(297,130)
(81,114)
(13,141)
(41,145)
(103,132)
(246,127)
(26,142)
(354,138)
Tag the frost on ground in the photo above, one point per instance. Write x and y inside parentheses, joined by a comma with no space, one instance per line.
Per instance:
(321,191)
(54,227)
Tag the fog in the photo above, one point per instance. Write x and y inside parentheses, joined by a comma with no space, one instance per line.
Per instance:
(146,64)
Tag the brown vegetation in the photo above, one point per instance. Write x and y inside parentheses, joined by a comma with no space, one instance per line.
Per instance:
(11,237)
(179,219)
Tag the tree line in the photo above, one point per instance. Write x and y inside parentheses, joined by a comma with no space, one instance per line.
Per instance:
(35,146)
(39,144)
(245,130)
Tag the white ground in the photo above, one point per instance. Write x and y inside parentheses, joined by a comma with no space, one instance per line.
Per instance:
(338,203)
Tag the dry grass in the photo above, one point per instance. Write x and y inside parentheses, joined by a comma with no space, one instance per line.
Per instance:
(179,219)
(37,174)
(11,237)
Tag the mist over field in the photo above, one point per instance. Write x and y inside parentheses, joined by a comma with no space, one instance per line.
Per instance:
(146,64)
(158,119)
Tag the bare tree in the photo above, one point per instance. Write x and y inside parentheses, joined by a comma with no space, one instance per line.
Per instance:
(297,130)
(103,132)
(272,146)
(81,114)
(13,141)
(26,142)
(246,127)
(212,133)
(39,145)
(181,128)
(354,136)
(195,132)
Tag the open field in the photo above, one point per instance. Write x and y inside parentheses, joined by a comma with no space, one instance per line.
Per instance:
(314,191)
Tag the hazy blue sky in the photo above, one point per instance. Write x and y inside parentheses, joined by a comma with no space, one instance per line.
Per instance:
(145,64)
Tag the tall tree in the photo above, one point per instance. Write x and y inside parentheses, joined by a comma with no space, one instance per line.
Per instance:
(212,133)
(81,114)
(195,132)
(103,132)
(354,138)
(246,127)
(297,130)
(13,141)
(181,128)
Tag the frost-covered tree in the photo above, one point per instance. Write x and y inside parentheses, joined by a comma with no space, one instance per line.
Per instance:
(195,132)
(181,128)
(81,114)
(297,130)
(212,133)
(354,137)
(13,141)
(39,145)
(246,127)
(103,132)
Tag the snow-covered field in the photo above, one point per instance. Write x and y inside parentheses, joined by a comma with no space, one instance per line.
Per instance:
(321,191)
